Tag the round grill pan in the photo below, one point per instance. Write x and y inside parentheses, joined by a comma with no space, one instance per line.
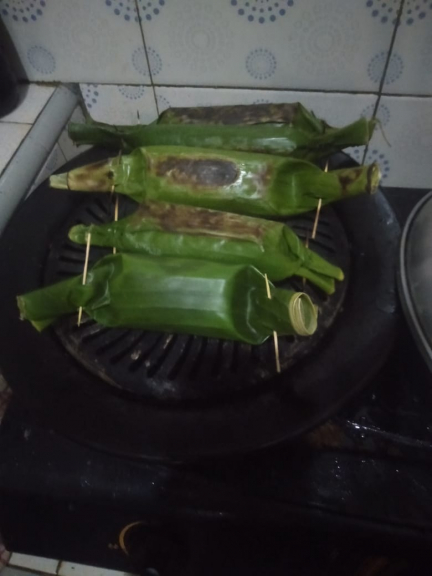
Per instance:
(174,367)
(72,398)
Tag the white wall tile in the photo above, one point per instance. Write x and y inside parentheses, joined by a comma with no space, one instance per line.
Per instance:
(51,566)
(119,104)
(410,70)
(54,161)
(406,159)
(32,99)
(70,569)
(36,563)
(280,43)
(11,136)
(8,571)
(77,40)
(67,147)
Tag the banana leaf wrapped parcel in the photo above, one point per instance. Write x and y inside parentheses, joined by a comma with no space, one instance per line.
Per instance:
(161,229)
(245,183)
(175,295)
(293,114)
(305,137)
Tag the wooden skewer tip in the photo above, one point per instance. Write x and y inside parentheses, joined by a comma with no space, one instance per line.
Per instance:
(84,279)
(317,215)
(276,347)
(315,224)
(267,286)
(116,214)
(275,336)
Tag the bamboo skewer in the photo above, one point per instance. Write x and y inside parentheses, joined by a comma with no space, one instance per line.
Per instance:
(116,213)
(84,280)
(317,215)
(315,224)
(275,336)
(116,204)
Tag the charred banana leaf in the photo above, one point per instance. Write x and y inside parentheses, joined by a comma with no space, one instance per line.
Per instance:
(294,114)
(245,183)
(176,295)
(305,137)
(162,229)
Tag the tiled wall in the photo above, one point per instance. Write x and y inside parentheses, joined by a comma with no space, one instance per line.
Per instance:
(330,54)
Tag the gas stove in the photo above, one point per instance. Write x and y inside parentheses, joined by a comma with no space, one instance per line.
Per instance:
(348,493)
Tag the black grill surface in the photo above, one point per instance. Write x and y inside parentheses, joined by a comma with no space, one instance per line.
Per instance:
(181,367)
(197,398)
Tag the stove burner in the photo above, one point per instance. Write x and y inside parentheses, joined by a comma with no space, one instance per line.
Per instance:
(174,367)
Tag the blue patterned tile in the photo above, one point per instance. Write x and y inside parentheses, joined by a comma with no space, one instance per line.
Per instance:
(126,9)
(192,39)
(383,113)
(377,64)
(162,102)
(139,61)
(23,11)
(150,9)
(261,63)
(76,41)
(373,155)
(413,44)
(336,45)
(41,60)
(262,12)
(90,94)
(403,147)
(385,11)
(120,104)
(132,92)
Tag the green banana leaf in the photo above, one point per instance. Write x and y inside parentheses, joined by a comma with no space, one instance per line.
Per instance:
(241,182)
(280,139)
(175,295)
(162,229)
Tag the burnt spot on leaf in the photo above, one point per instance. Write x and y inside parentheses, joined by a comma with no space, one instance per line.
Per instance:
(180,219)
(196,172)
(348,177)
(266,176)
(96,177)
(373,176)
(232,115)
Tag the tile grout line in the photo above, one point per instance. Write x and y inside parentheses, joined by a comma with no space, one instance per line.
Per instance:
(17,123)
(38,114)
(141,26)
(267,89)
(389,55)
(386,65)
(31,126)
(4,168)
(250,89)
